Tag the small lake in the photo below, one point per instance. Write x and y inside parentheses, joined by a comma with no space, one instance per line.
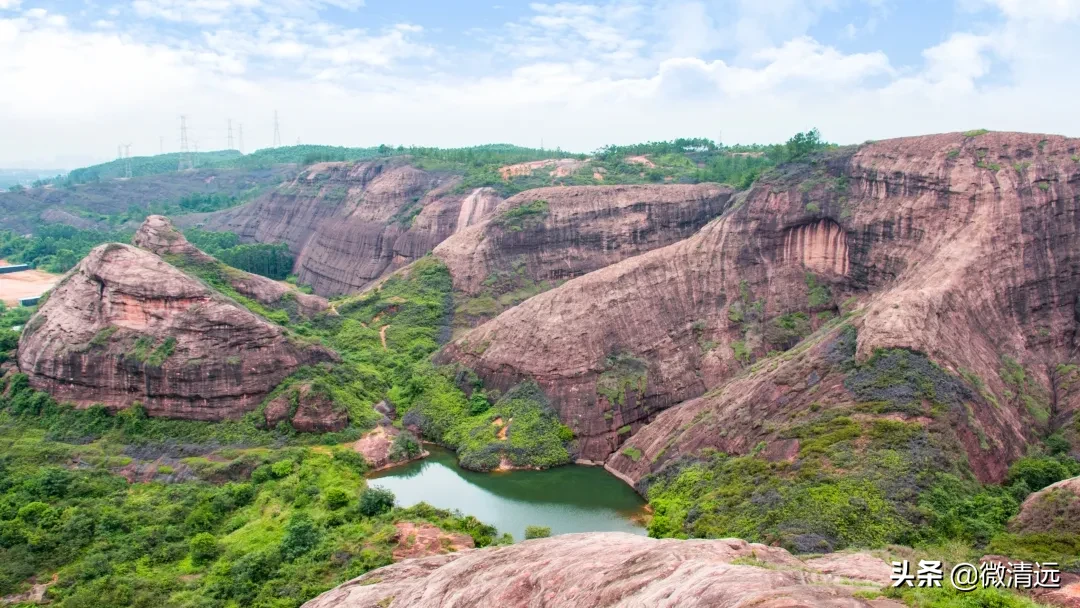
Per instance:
(566,499)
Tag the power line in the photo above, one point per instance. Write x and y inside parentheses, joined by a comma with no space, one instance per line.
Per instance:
(230,135)
(185,154)
(277,131)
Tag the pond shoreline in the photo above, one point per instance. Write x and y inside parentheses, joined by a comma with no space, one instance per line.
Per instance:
(568,498)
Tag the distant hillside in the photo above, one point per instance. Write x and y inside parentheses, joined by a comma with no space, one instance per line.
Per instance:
(493,154)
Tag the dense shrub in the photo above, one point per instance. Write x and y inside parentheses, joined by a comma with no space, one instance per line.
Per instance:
(376,501)
(537,532)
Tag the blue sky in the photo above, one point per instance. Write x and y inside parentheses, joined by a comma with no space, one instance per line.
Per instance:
(78,77)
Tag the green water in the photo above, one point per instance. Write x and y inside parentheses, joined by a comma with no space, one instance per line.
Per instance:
(566,499)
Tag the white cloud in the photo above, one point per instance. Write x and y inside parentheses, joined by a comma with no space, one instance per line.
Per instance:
(8,5)
(214,12)
(1028,10)
(575,74)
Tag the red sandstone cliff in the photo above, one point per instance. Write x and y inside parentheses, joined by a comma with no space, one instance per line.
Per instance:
(158,236)
(125,326)
(351,223)
(964,248)
(570,231)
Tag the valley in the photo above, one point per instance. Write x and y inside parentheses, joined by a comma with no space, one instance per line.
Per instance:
(786,365)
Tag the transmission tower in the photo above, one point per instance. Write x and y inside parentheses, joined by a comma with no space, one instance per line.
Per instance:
(161,144)
(230,135)
(241,127)
(119,151)
(185,153)
(277,131)
(127,161)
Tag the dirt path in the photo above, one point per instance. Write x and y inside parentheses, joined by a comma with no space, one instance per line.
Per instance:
(382,335)
(24,284)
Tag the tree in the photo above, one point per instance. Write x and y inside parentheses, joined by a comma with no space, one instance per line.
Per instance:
(537,532)
(375,501)
(336,498)
(405,447)
(204,548)
(802,144)
(301,536)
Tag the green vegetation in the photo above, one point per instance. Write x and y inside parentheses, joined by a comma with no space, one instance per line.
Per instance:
(9,338)
(742,353)
(537,532)
(975,132)
(58,248)
(787,330)
(1024,390)
(862,480)
(55,247)
(623,374)
(818,294)
(523,216)
(249,527)
(263,521)
(520,429)
(273,261)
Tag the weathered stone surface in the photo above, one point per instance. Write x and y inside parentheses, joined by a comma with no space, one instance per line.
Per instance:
(351,223)
(599,570)
(158,235)
(421,539)
(584,228)
(855,566)
(125,326)
(1054,509)
(964,248)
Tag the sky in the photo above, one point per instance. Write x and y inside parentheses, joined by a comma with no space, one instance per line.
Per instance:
(80,77)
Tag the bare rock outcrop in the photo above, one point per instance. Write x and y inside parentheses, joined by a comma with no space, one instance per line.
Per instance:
(961,247)
(307,409)
(351,223)
(124,326)
(158,235)
(421,539)
(604,569)
(557,233)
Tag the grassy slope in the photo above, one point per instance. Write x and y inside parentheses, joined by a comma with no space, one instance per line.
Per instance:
(115,544)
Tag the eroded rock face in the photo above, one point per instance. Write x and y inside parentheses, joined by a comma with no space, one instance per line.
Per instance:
(959,247)
(577,230)
(125,326)
(604,569)
(351,223)
(158,235)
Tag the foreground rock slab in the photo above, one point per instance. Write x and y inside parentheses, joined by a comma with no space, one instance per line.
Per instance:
(605,569)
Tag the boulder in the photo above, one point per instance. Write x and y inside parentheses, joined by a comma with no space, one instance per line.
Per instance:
(124,326)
